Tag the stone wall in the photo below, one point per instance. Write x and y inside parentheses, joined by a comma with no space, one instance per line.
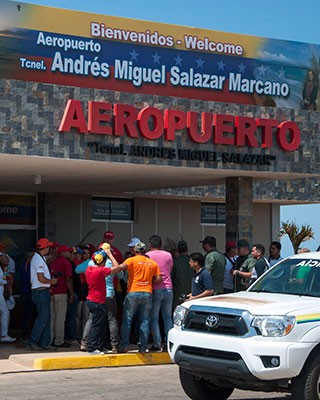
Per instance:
(30,114)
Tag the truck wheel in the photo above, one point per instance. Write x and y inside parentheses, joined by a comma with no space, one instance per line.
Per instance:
(201,389)
(307,385)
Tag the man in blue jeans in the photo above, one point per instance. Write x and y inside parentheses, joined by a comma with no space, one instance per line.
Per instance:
(162,296)
(142,273)
(96,300)
(40,284)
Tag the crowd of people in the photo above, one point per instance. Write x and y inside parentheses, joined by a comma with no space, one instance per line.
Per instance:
(102,301)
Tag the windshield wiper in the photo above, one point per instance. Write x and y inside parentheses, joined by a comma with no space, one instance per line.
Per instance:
(262,291)
(301,294)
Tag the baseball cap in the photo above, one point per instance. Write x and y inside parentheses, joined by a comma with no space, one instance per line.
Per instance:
(99,257)
(133,241)
(140,247)
(63,248)
(108,235)
(43,243)
(104,246)
(231,244)
(242,243)
(77,250)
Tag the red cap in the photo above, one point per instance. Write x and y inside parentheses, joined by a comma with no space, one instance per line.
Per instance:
(63,248)
(109,235)
(231,245)
(43,243)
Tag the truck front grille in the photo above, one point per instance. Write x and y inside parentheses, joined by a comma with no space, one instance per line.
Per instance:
(221,355)
(216,323)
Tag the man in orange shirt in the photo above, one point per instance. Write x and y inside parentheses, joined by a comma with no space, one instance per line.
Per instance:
(143,272)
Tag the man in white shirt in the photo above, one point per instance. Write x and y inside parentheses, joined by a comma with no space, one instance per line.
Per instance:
(275,257)
(40,284)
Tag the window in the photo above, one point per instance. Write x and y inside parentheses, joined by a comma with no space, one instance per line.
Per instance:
(112,209)
(213,214)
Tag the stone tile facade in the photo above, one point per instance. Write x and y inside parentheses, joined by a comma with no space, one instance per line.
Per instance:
(30,114)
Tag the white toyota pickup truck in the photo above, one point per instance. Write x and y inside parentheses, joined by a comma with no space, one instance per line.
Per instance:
(264,339)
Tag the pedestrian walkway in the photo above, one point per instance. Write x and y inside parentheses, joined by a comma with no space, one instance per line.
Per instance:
(17,358)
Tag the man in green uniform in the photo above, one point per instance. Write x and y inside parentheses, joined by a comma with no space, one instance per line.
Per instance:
(181,274)
(244,266)
(215,263)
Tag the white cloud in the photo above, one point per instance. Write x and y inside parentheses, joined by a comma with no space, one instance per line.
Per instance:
(265,55)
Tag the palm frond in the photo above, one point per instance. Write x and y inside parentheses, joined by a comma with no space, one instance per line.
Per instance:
(296,234)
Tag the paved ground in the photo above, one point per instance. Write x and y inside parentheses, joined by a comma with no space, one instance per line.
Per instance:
(16,358)
(8,353)
(18,372)
(149,382)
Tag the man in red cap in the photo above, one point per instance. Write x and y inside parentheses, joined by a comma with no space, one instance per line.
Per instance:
(40,284)
(108,237)
(61,269)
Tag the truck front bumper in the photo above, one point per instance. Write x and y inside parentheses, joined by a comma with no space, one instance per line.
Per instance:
(229,356)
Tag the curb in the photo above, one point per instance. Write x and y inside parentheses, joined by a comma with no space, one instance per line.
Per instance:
(96,361)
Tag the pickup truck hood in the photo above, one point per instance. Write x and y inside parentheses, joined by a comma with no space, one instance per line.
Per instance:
(261,303)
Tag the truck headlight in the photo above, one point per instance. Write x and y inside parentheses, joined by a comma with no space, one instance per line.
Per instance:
(178,315)
(274,325)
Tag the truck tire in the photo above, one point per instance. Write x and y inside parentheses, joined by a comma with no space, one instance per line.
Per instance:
(307,385)
(201,389)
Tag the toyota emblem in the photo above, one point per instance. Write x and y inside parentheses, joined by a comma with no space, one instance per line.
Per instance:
(212,321)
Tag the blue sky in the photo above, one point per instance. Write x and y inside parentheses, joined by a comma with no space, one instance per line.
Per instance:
(279,19)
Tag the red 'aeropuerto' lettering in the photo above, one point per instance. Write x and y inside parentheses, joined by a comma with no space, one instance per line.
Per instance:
(245,131)
(96,115)
(284,128)
(206,127)
(267,126)
(73,117)
(174,120)
(120,119)
(143,123)
(125,120)
(223,124)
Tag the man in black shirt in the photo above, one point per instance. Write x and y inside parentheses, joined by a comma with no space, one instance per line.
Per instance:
(261,264)
(202,285)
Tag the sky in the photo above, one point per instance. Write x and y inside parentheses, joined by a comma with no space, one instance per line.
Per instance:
(278,19)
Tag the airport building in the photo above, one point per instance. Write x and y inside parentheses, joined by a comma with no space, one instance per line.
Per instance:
(138,127)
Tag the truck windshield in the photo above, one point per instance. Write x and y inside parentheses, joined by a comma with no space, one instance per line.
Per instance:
(291,276)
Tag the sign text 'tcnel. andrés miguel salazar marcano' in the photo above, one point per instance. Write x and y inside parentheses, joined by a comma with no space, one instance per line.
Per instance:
(73,48)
